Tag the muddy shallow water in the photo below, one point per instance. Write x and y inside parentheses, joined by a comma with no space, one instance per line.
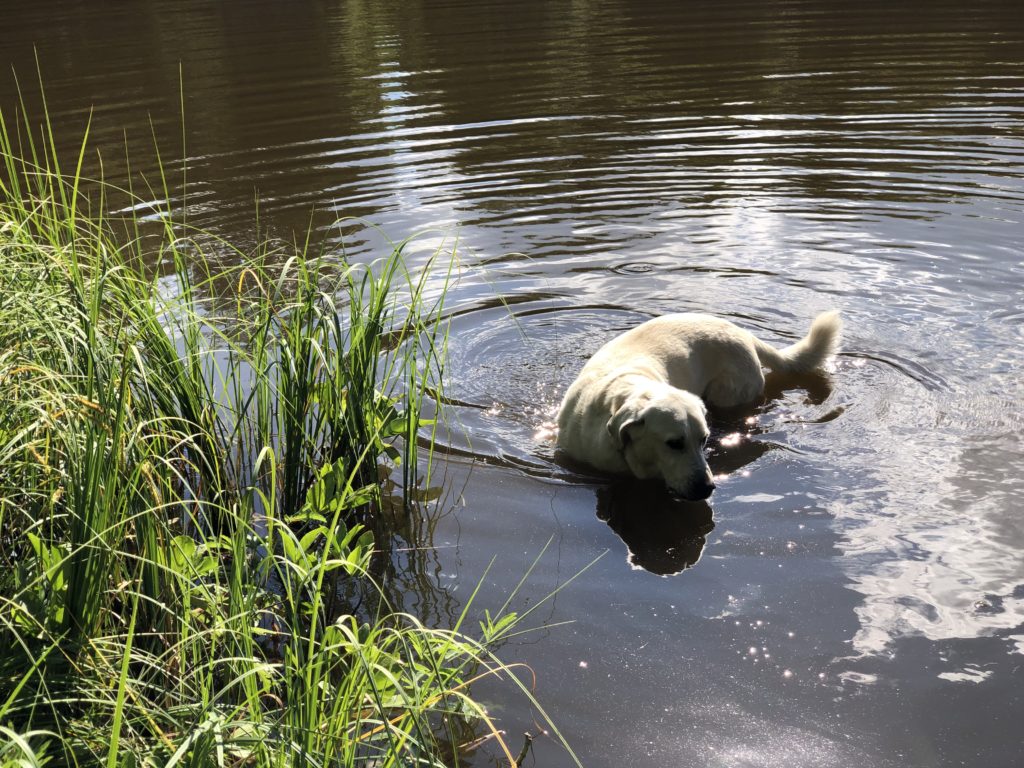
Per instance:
(854,591)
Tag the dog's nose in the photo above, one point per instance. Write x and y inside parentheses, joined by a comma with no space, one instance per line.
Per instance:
(704,489)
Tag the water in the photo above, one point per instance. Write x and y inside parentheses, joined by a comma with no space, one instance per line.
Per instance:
(854,593)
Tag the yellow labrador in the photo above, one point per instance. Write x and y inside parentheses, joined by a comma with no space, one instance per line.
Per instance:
(636,406)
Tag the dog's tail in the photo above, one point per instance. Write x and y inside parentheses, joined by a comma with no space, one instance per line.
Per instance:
(808,353)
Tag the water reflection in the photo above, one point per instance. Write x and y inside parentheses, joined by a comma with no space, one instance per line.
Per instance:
(663,534)
(945,511)
(435,113)
(410,565)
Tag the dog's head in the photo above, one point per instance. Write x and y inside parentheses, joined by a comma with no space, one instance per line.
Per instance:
(664,436)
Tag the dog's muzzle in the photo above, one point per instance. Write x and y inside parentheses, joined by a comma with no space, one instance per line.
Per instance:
(697,491)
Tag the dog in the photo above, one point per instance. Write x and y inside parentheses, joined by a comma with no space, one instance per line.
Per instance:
(638,405)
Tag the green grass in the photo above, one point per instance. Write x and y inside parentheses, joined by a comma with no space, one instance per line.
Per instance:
(191,472)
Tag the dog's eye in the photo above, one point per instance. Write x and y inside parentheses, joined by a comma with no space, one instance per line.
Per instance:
(676,443)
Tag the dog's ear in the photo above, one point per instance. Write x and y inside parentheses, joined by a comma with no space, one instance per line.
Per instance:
(622,426)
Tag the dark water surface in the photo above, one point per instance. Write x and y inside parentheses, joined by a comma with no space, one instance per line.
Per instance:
(854,594)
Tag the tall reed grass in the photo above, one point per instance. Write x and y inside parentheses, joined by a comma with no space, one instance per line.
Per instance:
(191,464)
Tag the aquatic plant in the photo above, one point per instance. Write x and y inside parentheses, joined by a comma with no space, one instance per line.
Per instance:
(191,465)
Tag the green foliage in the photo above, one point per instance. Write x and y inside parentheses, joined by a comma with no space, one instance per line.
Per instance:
(190,477)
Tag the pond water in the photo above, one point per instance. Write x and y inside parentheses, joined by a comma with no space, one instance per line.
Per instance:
(854,591)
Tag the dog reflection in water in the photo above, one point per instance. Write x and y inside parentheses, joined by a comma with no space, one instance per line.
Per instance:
(664,534)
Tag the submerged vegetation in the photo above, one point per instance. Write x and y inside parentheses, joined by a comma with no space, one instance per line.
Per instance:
(192,465)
